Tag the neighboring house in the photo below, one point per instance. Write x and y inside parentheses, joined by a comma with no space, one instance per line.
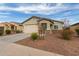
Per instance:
(34,24)
(19,26)
(5,26)
(10,26)
(74,27)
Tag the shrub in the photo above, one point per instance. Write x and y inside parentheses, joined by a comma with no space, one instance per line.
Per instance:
(77,31)
(34,36)
(8,31)
(66,34)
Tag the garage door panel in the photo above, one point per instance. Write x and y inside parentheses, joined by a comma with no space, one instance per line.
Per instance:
(30,28)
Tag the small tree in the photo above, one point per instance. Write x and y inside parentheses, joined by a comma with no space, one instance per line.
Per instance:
(34,36)
(66,34)
(77,31)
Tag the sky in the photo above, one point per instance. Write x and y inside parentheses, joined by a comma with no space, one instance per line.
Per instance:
(19,12)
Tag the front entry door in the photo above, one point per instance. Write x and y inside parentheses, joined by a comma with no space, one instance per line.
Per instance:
(44,26)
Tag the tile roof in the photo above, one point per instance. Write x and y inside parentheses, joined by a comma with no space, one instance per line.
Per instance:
(40,18)
(75,24)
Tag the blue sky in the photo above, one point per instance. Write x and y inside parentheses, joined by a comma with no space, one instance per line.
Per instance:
(18,12)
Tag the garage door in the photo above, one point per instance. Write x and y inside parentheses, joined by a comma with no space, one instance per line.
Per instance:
(30,28)
(1,30)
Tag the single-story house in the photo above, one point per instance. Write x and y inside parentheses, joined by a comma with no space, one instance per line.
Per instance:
(19,26)
(10,26)
(5,26)
(74,27)
(35,23)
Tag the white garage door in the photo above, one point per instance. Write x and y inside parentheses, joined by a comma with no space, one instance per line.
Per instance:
(30,28)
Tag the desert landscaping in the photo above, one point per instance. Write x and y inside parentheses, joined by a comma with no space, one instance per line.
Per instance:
(53,42)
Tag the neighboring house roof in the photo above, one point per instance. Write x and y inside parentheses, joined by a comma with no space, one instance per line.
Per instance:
(75,24)
(40,18)
(16,23)
(4,23)
(10,24)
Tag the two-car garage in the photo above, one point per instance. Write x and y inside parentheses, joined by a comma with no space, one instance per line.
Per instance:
(30,28)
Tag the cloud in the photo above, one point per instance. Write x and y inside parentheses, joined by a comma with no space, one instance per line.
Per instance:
(45,9)
(38,8)
(58,11)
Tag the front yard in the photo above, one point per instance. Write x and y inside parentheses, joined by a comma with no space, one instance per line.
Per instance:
(53,43)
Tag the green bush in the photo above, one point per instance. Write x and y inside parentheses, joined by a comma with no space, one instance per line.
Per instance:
(66,34)
(77,31)
(8,31)
(34,36)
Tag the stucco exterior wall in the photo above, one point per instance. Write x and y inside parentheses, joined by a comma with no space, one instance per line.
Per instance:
(30,26)
(20,28)
(31,21)
(60,25)
(74,27)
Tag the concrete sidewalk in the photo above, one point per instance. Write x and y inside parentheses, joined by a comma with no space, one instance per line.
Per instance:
(11,49)
(14,37)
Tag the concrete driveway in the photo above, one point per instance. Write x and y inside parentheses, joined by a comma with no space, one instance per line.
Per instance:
(8,48)
(14,37)
(12,49)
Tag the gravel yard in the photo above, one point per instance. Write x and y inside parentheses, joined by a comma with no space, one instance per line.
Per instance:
(53,43)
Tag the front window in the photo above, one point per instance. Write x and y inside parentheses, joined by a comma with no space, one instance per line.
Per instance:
(55,26)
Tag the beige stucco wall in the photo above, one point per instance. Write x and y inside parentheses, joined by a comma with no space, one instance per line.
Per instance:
(60,25)
(30,26)
(20,28)
(31,21)
(74,27)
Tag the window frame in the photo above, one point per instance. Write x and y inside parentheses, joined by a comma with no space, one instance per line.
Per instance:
(56,27)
